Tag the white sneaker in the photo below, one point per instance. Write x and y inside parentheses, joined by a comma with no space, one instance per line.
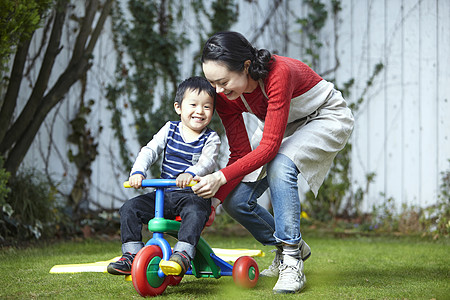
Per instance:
(273,269)
(291,279)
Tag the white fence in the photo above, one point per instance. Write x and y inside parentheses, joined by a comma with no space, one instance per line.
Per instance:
(402,129)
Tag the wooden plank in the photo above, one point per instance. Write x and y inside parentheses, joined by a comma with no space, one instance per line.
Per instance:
(358,48)
(326,36)
(393,94)
(376,101)
(411,109)
(443,86)
(428,103)
(344,73)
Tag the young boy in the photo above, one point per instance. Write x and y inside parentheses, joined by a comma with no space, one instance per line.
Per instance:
(190,148)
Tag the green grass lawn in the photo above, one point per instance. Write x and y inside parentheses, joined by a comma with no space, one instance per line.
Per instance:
(339,268)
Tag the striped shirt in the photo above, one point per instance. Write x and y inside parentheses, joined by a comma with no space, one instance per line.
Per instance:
(197,157)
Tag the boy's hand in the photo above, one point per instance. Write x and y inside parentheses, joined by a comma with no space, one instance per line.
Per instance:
(136,180)
(183,180)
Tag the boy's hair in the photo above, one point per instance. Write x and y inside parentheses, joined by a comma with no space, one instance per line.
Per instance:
(195,83)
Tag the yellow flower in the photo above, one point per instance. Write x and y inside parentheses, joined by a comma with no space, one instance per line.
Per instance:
(304,215)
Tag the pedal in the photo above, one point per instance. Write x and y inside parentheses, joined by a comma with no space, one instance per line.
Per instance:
(170,267)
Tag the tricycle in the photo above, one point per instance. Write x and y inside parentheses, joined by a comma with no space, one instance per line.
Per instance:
(147,276)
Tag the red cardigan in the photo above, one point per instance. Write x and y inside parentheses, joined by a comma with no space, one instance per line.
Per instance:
(287,79)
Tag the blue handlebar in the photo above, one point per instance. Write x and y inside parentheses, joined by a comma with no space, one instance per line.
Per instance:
(158,183)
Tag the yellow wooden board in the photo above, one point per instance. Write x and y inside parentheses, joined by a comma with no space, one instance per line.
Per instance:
(229,255)
(99,266)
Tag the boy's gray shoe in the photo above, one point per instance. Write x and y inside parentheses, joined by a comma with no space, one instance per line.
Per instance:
(273,269)
(305,250)
(291,279)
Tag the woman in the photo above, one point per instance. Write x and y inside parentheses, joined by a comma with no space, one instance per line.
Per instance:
(303,123)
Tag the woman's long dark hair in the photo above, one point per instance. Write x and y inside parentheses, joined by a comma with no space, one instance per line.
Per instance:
(233,49)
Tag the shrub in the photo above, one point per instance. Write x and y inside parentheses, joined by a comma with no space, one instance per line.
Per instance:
(33,209)
(4,189)
(436,218)
(5,208)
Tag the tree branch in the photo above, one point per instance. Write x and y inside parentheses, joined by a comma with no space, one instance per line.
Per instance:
(85,31)
(75,69)
(34,101)
(100,23)
(56,94)
(43,42)
(10,100)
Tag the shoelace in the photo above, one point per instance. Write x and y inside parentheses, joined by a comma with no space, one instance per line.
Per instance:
(276,262)
(288,275)
(128,257)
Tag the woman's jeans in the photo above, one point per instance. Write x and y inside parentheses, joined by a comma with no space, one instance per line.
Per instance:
(193,210)
(284,225)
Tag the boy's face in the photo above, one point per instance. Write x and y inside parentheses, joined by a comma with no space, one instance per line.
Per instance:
(196,110)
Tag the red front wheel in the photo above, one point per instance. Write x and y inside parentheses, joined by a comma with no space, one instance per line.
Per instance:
(245,272)
(144,272)
(174,280)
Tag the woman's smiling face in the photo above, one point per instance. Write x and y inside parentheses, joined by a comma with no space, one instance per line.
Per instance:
(231,84)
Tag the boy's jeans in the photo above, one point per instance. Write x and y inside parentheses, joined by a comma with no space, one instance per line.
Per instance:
(193,210)
(284,226)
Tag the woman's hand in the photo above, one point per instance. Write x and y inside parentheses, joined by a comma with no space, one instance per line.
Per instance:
(208,185)
(136,180)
